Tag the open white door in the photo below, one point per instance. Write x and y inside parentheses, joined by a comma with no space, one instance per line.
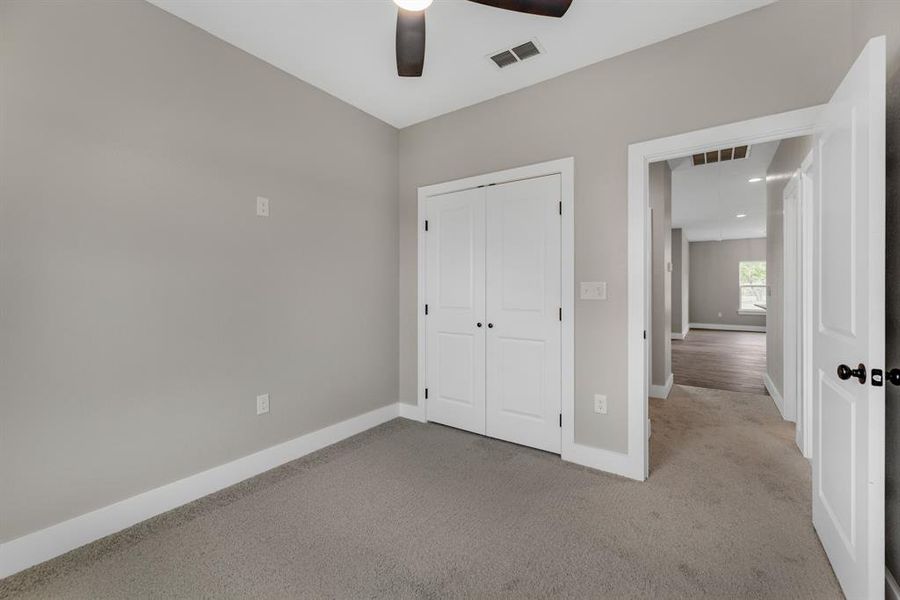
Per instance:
(848,327)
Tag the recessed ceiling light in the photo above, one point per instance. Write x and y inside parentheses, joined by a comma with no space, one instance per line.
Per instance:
(740,216)
(754,179)
(413,5)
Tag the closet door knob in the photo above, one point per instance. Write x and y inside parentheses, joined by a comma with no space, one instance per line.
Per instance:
(490,325)
(478,324)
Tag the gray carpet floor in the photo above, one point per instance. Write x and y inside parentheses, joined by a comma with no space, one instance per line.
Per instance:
(408,510)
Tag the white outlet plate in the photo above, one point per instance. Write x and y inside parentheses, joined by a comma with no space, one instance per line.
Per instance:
(600,404)
(262,206)
(262,404)
(593,290)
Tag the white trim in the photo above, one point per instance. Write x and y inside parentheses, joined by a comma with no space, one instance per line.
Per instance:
(891,589)
(773,391)
(662,391)
(679,336)
(616,463)
(565,168)
(808,191)
(728,327)
(792,291)
(640,155)
(412,412)
(751,311)
(37,547)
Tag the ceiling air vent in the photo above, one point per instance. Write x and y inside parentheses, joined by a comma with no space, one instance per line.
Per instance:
(526,50)
(504,59)
(723,154)
(516,54)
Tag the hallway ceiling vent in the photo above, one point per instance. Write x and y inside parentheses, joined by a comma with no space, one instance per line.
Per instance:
(516,54)
(721,155)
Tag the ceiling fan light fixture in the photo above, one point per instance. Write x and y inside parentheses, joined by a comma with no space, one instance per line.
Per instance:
(413,5)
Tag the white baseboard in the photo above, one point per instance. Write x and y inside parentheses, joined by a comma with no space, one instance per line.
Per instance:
(586,456)
(413,412)
(662,391)
(891,589)
(679,336)
(37,547)
(727,327)
(773,391)
(616,463)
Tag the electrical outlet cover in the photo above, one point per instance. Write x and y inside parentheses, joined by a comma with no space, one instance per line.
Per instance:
(262,206)
(262,404)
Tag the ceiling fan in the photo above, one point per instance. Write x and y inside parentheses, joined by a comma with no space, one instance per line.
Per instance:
(411,26)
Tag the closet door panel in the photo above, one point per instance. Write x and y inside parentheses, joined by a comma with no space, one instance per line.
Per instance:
(522,307)
(455,288)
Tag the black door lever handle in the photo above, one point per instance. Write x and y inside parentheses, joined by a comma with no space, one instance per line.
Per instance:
(845,372)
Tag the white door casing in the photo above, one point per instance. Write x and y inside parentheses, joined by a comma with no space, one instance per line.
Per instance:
(848,326)
(523,300)
(791,297)
(455,291)
(805,408)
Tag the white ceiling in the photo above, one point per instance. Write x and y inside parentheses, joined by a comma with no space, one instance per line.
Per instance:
(707,198)
(346,47)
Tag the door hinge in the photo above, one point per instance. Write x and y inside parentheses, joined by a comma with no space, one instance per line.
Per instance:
(877,377)
(426,309)
(560,207)
(560,313)
(426,224)
(560,419)
(426,393)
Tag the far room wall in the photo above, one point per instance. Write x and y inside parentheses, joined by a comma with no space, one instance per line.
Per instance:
(714,283)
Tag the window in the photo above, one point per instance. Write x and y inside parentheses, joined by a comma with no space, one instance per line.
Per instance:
(752,276)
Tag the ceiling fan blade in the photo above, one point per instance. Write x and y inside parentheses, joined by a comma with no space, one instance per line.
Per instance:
(544,8)
(410,43)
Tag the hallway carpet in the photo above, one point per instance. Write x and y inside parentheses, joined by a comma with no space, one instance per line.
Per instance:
(409,510)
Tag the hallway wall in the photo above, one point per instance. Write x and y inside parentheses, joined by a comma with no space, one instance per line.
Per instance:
(661,278)
(787,159)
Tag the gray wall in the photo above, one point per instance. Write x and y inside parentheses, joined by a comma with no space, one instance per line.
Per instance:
(681,272)
(870,19)
(593,114)
(787,159)
(661,279)
(714,283)
(144,305)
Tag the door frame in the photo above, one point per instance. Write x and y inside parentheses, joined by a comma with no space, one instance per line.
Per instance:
(565,168)
(753,131)
(800,296)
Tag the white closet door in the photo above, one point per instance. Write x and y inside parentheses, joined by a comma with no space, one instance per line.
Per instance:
(454,353)
(523,304)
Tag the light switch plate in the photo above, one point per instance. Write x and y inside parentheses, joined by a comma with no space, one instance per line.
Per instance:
(600,404)
(262,206)
(593,290)
(262,404)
